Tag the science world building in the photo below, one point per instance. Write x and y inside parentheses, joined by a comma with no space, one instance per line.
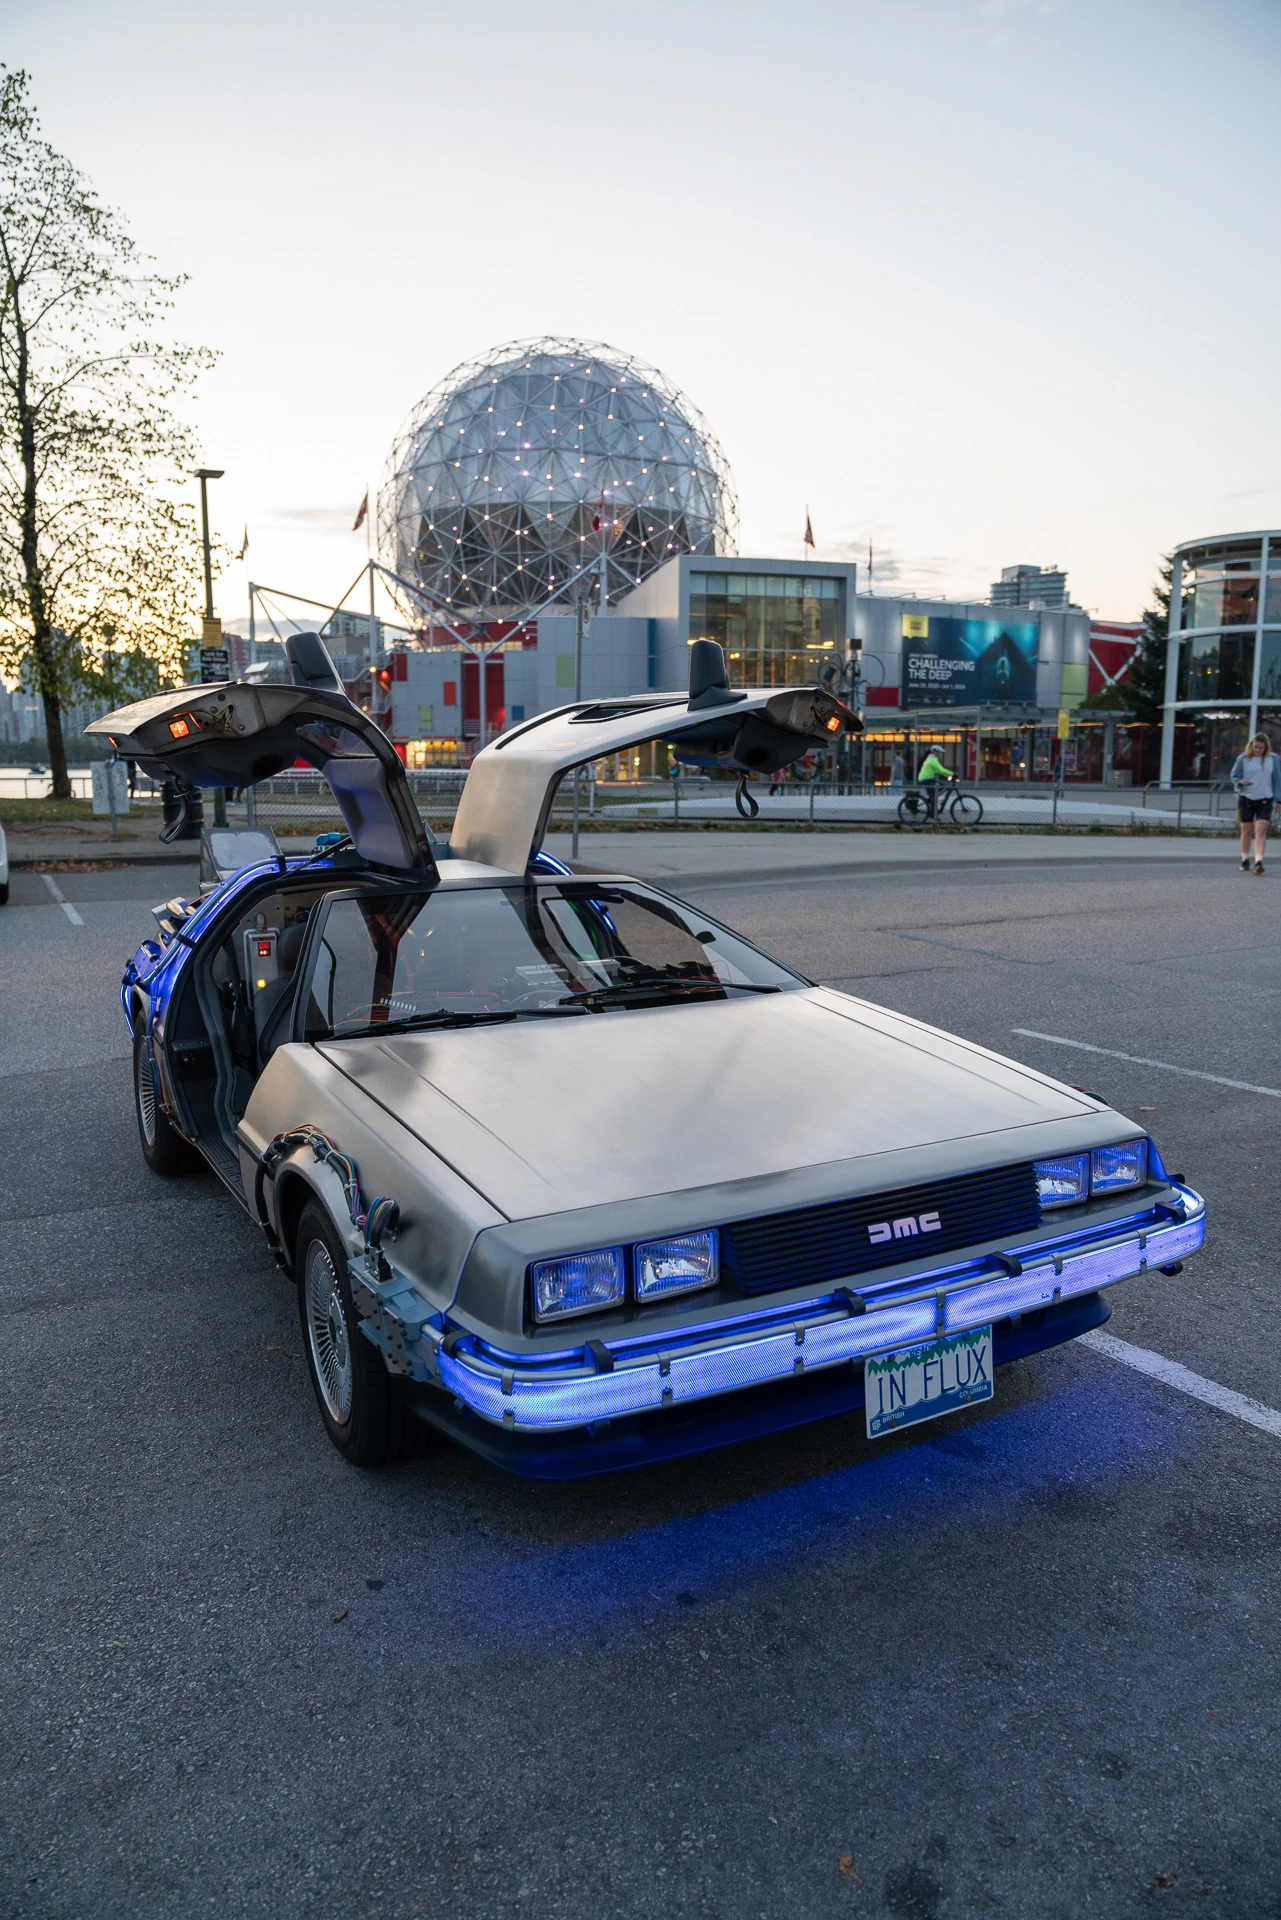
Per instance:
(1223,656)
(544,460)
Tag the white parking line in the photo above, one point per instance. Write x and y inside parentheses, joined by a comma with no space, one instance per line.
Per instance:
(1138,1060)
(1240,1405)
(63,902)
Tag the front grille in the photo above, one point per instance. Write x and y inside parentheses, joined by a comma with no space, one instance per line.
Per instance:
(815,1244)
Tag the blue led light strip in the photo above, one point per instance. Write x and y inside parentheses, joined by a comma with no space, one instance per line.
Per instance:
(541,1399)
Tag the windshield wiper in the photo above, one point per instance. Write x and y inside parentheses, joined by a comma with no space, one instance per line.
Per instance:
(442,1017)
(625,992)
(445,1017)
(678,989)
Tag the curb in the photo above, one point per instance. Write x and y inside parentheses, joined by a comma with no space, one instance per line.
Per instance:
(796,875)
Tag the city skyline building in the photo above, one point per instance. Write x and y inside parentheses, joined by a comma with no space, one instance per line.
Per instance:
(1028,586)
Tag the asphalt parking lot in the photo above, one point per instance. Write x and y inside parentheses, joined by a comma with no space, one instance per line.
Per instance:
(1021,1662)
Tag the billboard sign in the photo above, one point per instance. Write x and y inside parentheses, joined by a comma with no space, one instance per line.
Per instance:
(953,662)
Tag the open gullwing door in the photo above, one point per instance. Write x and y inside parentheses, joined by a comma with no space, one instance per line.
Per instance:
(235,734)
(507,797)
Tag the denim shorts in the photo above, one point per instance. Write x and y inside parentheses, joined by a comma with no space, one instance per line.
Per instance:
(1248,810)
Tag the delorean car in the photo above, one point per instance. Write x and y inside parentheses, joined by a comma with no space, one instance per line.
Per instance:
(562,1166)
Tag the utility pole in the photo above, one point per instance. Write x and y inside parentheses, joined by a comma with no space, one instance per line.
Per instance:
(211,636)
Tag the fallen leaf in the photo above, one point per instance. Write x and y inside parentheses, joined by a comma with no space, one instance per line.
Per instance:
(340,1615)
(1147,1109)
(1163,1880)
(846,1866)
(277,1349)
(120,1644)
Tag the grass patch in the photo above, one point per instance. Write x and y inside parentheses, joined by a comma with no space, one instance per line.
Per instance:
(18,811)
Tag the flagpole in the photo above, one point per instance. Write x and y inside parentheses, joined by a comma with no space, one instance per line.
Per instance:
(373,631)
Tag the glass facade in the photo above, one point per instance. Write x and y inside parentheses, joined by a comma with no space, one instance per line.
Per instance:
(1216,666)
(1230,622)
(1230,601)
(775,628)
(1270,667)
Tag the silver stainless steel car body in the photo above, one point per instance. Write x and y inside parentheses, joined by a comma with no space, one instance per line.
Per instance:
(450,1162)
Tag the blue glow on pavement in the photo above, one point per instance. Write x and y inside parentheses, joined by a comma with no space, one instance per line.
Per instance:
(1084,1431)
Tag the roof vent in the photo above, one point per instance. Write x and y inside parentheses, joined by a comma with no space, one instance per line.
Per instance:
(310,665)
(708,680)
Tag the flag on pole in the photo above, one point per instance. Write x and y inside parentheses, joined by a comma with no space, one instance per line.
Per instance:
(359,521)
(809,531)
(244,545)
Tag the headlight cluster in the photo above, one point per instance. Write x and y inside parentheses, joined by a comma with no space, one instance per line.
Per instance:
(1072,1177)
(589,1282)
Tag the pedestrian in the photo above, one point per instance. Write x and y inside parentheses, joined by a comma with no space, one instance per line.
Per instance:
(777,781)
(1256,776)
(932,771)
(897,771)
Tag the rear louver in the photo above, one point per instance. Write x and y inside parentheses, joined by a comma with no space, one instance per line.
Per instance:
(817,1244)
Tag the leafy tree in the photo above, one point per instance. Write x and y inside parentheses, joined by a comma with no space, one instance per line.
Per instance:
(1142,691)
(99,549)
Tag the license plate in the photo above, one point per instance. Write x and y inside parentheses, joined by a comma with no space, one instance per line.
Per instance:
(919,1383)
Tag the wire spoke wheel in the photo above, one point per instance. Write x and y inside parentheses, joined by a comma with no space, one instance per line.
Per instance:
(146,1091)
(327,1333)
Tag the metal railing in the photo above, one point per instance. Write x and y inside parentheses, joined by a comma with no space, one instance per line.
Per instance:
(299,802)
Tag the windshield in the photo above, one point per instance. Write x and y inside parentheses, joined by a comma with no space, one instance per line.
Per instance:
(452,957)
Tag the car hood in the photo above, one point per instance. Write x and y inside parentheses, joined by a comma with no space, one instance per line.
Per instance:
(543,1116)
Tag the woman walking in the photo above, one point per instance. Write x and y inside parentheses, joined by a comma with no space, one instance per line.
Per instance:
(1256,776)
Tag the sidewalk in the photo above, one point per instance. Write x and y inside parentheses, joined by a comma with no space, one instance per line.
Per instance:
(35,844)
(735,854)
(752,856)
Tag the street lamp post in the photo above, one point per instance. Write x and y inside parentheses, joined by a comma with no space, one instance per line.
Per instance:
(205,475)
(212,631)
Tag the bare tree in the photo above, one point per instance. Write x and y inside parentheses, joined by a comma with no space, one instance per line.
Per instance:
(99,550)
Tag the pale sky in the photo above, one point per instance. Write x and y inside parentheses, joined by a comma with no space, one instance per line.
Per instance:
(987,280)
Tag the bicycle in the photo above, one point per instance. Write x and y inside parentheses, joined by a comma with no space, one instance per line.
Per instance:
(966,809)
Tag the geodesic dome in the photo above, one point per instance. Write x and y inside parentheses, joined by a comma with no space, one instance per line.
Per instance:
(522,466)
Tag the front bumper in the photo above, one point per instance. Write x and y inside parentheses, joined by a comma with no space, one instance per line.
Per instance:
(640,1374)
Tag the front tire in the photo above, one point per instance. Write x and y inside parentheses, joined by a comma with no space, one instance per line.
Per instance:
(163,1147)
(967,809)
(363,1414)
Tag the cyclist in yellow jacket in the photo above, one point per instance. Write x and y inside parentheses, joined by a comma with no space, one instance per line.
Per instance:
(932,770)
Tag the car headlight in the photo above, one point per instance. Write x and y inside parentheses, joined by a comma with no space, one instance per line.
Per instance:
(577,1283)
(1113,1168)
(1063,1181)
(681,1265)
